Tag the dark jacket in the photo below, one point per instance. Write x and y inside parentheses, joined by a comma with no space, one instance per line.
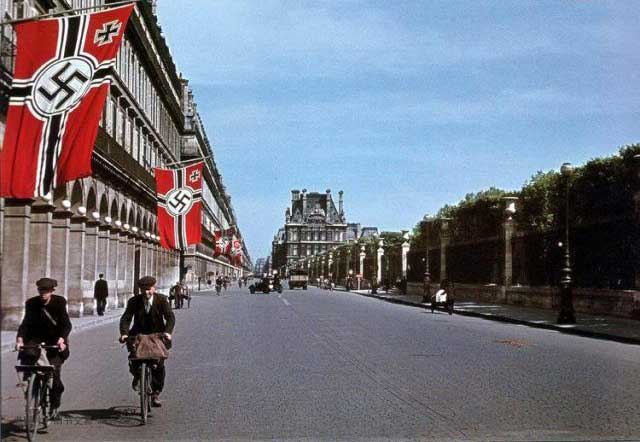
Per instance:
(101,289)
(159,320)
(37,327)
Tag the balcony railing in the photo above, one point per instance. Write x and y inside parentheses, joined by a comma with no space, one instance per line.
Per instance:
(108,147)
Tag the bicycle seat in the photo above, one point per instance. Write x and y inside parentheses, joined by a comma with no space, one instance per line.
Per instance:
(24,368)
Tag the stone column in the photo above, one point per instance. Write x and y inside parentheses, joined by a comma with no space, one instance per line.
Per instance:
(60,232)
(75,271)
(405,250)
(509,228)
(380,255)
(122,271)
(91,256)
(15,262)
(130,266)
(112,270)
(363,255)
(40,243)
(444,243)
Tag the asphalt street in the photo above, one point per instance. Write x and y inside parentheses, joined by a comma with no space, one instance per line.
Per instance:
(319,365)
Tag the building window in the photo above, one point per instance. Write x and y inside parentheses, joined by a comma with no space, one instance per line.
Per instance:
(118,126)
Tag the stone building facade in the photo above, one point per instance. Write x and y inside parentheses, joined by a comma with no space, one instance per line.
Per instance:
(313,224)
(107,223)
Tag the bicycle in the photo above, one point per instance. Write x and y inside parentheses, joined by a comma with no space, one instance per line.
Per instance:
(144,381)
(37,392)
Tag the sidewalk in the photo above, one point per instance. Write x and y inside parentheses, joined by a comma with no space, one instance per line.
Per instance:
(594,326)
(9,337)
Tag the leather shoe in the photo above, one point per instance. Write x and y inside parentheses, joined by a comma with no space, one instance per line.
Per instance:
(54,414)
(155,400)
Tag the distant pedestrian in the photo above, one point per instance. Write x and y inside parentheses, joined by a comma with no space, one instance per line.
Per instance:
(101,293)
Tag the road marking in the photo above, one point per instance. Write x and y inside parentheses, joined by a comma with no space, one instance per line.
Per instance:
(285,301)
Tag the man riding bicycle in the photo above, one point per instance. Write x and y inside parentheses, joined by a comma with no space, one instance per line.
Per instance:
(46,320)
(151,313)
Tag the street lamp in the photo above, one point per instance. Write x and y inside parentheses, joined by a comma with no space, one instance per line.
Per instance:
(427,271)
(567,313)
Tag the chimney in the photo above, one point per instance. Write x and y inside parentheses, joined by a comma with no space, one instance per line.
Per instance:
(295,194)
(304,203)
(340,204)
(328,204)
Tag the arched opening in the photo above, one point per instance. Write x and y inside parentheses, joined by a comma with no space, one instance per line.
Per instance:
(104,207)
(114,209)
(76,195)
(91,200)
(123,213)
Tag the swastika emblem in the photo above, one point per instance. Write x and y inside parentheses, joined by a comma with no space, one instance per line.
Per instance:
(195,176)
(61,85)
(179,201)
(108,32)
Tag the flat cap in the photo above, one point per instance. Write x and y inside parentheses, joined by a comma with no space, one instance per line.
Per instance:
(46,283)
(146,281)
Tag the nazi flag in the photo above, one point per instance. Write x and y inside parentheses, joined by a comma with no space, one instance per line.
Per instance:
(61,79)
(179,194)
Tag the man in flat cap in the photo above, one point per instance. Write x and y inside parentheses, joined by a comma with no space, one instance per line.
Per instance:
(151,313)
(46,320)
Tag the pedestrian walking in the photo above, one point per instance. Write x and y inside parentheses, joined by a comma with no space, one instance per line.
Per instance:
(101,293)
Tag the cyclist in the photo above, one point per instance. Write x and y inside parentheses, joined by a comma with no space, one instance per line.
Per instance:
(151,313)
(46,320)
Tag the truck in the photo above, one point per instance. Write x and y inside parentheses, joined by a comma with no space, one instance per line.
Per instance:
(298,278)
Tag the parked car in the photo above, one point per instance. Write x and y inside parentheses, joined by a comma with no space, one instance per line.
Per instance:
(298,278)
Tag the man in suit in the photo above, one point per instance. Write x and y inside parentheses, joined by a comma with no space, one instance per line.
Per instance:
(46,320)
(101,293)
(151,313)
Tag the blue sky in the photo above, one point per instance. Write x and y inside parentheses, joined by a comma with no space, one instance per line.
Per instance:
(406,106)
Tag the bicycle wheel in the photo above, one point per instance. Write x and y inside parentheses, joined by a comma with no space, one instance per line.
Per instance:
(148,387)
(144,398)
(32,408)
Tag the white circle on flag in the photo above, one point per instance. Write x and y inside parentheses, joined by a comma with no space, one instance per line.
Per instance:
(60,85)
(179,201)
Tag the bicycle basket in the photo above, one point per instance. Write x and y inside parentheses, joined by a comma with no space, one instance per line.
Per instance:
(150,347)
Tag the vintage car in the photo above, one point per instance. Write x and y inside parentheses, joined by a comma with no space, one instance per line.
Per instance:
(298,278)
(266,284)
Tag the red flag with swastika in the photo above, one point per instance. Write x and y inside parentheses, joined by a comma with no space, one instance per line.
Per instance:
(61,79)
(179,193)
(223,243)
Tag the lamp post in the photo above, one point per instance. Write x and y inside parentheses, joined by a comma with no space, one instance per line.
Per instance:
(567,313)
(427,271)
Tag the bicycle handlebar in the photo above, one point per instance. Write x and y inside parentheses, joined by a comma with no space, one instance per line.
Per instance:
(41,346)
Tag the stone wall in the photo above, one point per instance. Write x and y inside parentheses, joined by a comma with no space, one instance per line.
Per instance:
(621,303)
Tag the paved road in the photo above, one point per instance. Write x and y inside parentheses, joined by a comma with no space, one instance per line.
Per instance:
(317,366)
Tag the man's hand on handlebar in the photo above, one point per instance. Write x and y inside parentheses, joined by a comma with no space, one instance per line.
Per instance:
(123,339)
(19,344)
(61,344)
(168,336)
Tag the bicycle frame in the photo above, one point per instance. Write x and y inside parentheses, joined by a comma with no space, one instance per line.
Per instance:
(144,377)
(37,394)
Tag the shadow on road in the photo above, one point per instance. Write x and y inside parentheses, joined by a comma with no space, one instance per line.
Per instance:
(114,416)
(14,429)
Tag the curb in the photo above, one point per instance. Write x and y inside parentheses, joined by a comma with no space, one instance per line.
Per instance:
(7,347)
(506,319)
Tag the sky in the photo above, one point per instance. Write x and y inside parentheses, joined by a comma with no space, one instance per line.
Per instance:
(403,105)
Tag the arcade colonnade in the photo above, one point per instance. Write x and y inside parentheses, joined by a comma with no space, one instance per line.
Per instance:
(86,229)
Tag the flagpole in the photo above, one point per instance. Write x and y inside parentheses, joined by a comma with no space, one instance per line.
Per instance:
(66,11)
(188,161)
